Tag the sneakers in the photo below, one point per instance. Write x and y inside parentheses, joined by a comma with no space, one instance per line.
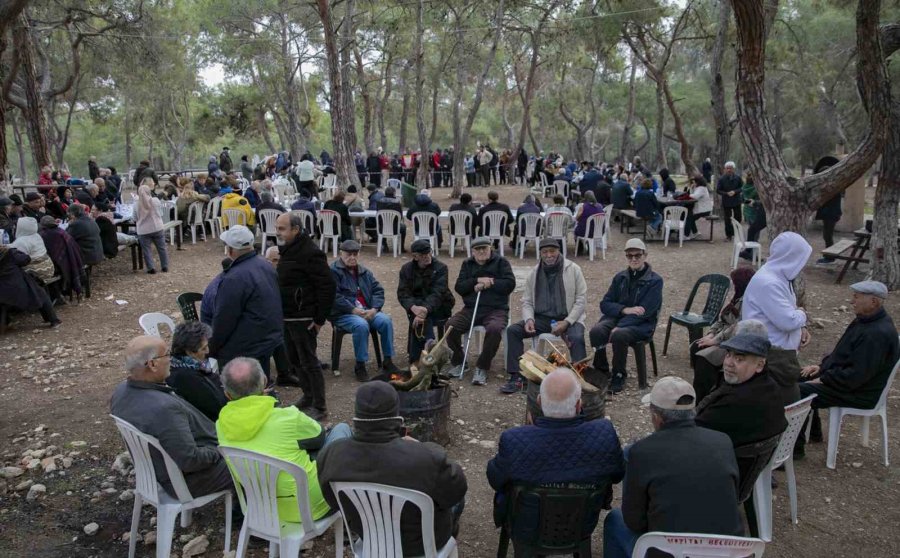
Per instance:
(360,372)
(480,377)
(513,385)
(456,372)
(617,384)
(824,261)
(389,367)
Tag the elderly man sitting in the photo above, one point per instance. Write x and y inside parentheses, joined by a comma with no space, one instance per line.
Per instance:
(424,293)
(251,421)
(187,435)
(855,372)
(561,447)
(553,302)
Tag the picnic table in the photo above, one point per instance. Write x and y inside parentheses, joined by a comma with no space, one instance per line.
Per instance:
(857,249)
(22,189)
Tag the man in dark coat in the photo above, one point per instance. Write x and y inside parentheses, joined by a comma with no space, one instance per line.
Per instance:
(87,234)
(629,311)
(489,275)
(706,169)
(494,205)
(307,293)
(621,193)
(34,206)
(559,448)
(379,453)
(246,307)
(729,187)
(830,212)
(424,292)
(65,254)
(424,204)
(93,168)
(19,290)
(225,163)
(855,372)
(144,170)
(680,479)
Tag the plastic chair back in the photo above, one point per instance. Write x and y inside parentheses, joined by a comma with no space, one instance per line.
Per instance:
(379,507)
(151,321)
(187,303)
(195,214)
(557,224)
(460,223)
(387,222)
(562,188)
(685,545)
(752,459)
(309,222)
(214,208)
(882,401)
(494,224)
(166,208)
(675,214)
(529,225)
(596,226)
(330,181)
(330,222)
(394,183)
(424,224)
(739,236)
(267,219)
(796,414)
(719,286)
(234,217)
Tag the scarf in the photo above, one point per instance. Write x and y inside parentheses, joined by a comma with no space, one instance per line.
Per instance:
(550,291)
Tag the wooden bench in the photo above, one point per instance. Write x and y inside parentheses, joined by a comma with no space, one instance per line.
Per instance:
(712,221)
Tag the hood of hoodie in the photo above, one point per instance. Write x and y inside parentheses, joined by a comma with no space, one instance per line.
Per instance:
(26,226)
(241,419)
(788,254)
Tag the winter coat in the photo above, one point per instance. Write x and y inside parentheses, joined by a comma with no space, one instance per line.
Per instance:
(627,291)
(494,298)
(468,209)
(252,197)
(197,384)
(236,201)
(830,210)
(748,412)
(143,172)
(30,242)
(621,194)
(349,285)
(748,192)
(7,225)
(645,204)
(305,281)
(254,423)
(87,234)
(587,210)
(730,183)
(428,287)
(246,171)
(247,316)
(575,287)
(147,219)
(18,289)
(108,237)
(225,162)
(494,206)
(423,202)
(704,203)
(66,257)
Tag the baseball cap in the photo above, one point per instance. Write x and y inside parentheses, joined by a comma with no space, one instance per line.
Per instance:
(671,393)
(238,237)
(635,244)
(747,344)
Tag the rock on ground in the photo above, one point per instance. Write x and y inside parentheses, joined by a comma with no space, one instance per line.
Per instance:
(35,491)
(195,547)
(91,529)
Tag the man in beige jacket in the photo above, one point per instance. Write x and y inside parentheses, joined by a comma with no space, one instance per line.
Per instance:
(554,302)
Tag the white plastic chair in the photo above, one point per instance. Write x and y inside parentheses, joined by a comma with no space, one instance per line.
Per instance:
(387,225)
(168,213)
(479,332)
(741,243)
(836,416)
(255,477)
(674,219)
(285,191)
(460,229)
(330,229)
(309,221)
(378,507)
(330,182)
(556,226)
(148,490)
(425,225)
(394,183)
(194,220)
(267,219)
(546,188)
(693,545)
(151,321)
(233,217)
(493,226)
(561,187)
(546,338)
(596,232)
(213,214)
(528,226)
(796,414)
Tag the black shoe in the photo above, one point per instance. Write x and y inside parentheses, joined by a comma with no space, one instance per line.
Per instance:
(389,367)
(165,270)
(616,385)
(360,372)
(314,413)
(304,402)
(324,366)
(151,272)
(287,380)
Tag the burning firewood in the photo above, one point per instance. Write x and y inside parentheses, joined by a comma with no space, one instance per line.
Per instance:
(427,375)
(535,367)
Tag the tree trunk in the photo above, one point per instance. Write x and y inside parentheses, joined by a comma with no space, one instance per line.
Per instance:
(367,109)
(506,125)
(348,40)
(293,129)
(526,98)
(717,90)
(404,111)
(685,146)
(660,123)
(8,13)
(625,147)
(379,109)
(263,126)
(33,111)
(435,85)
(423,173)
(20,147)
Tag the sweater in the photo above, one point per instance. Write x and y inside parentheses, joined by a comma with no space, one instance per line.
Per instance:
(575,287)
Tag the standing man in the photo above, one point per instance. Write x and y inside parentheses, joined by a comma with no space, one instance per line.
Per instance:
(307,293)
(554,302)
(629,311)
(729,187)
(225,164)
(491,275)
(246,306)
(770,299)
(358,300)
(424,292)
(830,212)
(707,169)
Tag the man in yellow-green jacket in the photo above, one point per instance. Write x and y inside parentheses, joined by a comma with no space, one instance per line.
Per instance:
(251,421)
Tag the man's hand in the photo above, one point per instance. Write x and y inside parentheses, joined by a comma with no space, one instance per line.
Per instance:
(529,326)
(634,311)
(804,337)
(418,322)
(810,371)
(314,327)
(707,340)
(731,193)
(560,328)
(487,282)
(419,311)
(369,314)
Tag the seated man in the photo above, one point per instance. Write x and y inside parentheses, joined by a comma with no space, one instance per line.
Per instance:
(856,371)
(424,204)
(629,311)
(494,204)
(357,308)
(303,203)
(378,452)
(554,302)
(86,233)
(389,201)
(680,479)
(490,275)
(424,293)
(233,200)
(187,435)
(560,447)
(252,421)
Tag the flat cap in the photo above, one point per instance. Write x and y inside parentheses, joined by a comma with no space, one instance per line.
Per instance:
(874,288)
(481,241)
(747,344)
(549,243)
(4,201)
(350,246)
(421,246)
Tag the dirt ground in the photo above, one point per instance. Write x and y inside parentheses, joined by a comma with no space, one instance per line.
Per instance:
(55,385)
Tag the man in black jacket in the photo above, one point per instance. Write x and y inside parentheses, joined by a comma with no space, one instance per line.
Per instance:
(680,479)
(729,187)
(424,292)
(490,275)
(86,233)
(494,205)
(307,292)
(856,371)
(225,164)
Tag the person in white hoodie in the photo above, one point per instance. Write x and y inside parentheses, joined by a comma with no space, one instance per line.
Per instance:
(28,241)
(770,298)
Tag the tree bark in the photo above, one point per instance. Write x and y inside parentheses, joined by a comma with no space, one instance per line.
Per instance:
(625,146)
(423,174)
(9,11)
(404,111)
(348,42)
(33,108)
(379,109)
(717,90)
(367,108)
(660,123)
(263,128)
(20,147)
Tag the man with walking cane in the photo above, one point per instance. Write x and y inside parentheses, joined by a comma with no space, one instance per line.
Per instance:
(485,282)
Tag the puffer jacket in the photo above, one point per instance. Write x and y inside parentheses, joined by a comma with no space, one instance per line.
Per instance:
(627,291)
(236,201)
(349,284)
(305,281)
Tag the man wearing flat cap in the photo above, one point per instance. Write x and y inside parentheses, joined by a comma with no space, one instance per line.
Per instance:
(855,372)
(664,470)
(424,292)
(490,275)
(358,301)
(378,452)
(554,302)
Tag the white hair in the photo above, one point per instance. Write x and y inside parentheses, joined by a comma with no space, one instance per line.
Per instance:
(238,386)
(138,360)
(752,327)
(729,164)
(554,407)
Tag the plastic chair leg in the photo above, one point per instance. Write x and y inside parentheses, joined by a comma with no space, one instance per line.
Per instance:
(834,435)
(653,357)
(243,541)
(165,530)
(640,360)
(884,436)
(228,504)
(289,548)
(135,520)
(762,502)
(338,538)
(274,550)
(865,431)
(186,518)
(792,487)
(668,331)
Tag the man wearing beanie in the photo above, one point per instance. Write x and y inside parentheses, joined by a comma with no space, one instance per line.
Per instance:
(378,452)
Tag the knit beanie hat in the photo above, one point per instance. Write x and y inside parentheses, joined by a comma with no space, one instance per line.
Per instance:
(377,401)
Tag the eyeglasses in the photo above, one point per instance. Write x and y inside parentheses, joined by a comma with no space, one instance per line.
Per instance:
(166,355)
(635,256)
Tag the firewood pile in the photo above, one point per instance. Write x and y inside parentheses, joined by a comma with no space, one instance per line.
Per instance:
(534,367)
(427,374)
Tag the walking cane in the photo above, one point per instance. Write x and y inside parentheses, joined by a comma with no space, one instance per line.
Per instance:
(462,372)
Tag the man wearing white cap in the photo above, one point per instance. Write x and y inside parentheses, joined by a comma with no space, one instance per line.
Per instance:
(856,371)
(246,305)
(664,470)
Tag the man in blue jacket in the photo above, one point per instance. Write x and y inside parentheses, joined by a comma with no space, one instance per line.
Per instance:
(246,305)
(629,312)
(357,309)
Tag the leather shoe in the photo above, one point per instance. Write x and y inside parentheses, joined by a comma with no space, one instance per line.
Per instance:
(287,380)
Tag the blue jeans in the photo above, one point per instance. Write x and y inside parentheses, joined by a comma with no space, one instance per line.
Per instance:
(618,539)
(337,432)
(359,329)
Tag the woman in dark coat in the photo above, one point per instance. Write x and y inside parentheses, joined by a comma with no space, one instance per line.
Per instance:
(19,290)
(190,374)
(65,253)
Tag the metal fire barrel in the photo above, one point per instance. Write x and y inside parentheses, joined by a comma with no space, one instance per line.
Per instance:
(593,404)
(427,414)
